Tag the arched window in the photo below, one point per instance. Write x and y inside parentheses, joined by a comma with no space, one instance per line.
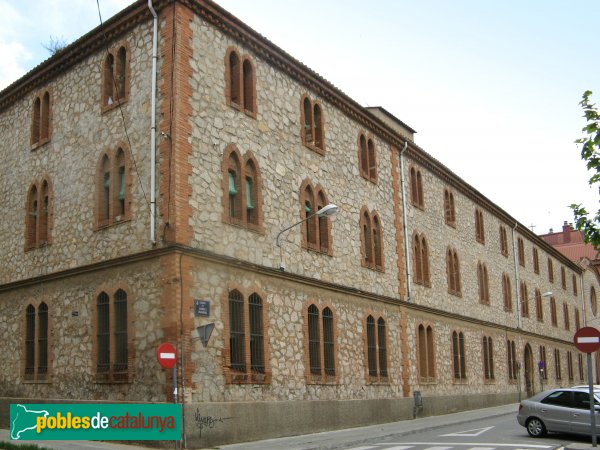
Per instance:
(503,241)
(449,210)
(482,278)
(371,240)
(488,358)
(566,316)
(366,158)
(553,314)
(36,362)
(550,271)
(234,178)
(521,251)
(458,356)
(479,230)
(376,349)
(421,260)
(544,371)
(312,131)
(416,188)
(32,217)
(320,345)
(557,365)
(426,353)
(524,300)
(38,215)
(113,337)
(453,272)
(40,119)
(234,80)
(511,352)
(316,230)
(115,77)
(539,309)
(112,187)
(249,87)
(506,292)
(577,319)
(536,261)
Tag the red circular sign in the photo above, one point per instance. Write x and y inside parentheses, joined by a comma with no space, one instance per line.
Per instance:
(167,355)
(587,339)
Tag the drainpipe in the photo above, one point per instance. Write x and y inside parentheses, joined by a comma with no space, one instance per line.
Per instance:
(517,287)
(405,226)
(153,124)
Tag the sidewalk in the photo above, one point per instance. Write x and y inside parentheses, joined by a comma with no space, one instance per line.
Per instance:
(304,442)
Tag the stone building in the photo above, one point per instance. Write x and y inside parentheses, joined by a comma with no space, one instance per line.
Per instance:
(116,226)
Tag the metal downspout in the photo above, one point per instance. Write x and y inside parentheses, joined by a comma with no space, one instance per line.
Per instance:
(153,124)
(517,287)
(405,226)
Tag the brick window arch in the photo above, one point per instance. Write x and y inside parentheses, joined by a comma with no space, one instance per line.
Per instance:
(246,351)
(524,300)
(367,161)
(41,118)
(312,125)
(416,188)
(483,284)
(376,346)
(426,353)
(113,337)
(113,181)
(488,358)
(316,231)
(449,209)
(320,345)
(371,240)
(479,229)
(240,82)
(511,352)
(539,308)
(421,273)
(36,343)
(242,193)
(503,241)
(453,272)
(459,363)
(39,213)
(506,292)
(115,77)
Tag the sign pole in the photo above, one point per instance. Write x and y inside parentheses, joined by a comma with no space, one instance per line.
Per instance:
(592,402)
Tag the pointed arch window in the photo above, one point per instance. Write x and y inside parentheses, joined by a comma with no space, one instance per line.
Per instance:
(577,319)
(366,157)
(113,198)
(506,292)
(376,346)
(242,195)
(416,188)
(36,343)
(421,260)
(563,278)
(112,345)
(566,316)
(482,281)
(453,272)
(115,77)
(426,353)
(524,300)
(488,358)
(458,356)
(240,76)
(312,129)
(479,229)
(371,240)
(521,251)
(536,261)
(316,230)
(449,210)
(38,221)
(553,314)
(41,117)
(503,241)
(539,309)
(557,365)
(511,352)
(543,359)
(320,345)
(550,271)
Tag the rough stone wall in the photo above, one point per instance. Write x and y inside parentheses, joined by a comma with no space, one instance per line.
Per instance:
(71,303)
(284,162)
(80,132)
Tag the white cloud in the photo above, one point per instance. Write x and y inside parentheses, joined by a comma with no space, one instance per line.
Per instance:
(13,54)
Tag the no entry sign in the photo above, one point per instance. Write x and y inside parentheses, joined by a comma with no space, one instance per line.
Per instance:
(167,355)
(587,339)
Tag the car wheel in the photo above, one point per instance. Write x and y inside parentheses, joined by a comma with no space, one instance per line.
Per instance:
(536,428)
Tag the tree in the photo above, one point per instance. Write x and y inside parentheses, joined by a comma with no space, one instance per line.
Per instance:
(590,152)
(55,45)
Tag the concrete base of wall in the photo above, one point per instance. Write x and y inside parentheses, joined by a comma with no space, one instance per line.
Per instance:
(213,424)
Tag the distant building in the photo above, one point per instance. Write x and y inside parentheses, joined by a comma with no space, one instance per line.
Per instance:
(570,243)
(420,284)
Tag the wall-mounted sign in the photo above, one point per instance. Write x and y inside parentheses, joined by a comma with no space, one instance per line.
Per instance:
(202,308)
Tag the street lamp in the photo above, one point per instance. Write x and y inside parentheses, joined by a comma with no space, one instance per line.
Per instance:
(325,211)
(548,294)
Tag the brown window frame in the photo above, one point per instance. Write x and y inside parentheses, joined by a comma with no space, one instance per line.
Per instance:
(536,261)
(421,272)
(316,231)
(39,214)
(41,118)
(521,251)
(512,368)
(550,271)
(479,227)
(37,335)
(453,272)
(566,317)
(416,188)
(459,363)
(483,284)
(557,365)
(449,208)
(116,76)
(367,157)
(488,358)
(240,82)
(553,312)
(113,187)
(507,293)
(524,299)
(503,241)
(539,306)
(312,125)
(371,240)
(376,353)
(426,353)
(320,344)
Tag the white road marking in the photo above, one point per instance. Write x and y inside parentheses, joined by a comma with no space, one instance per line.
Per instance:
(470,433)
(468,444)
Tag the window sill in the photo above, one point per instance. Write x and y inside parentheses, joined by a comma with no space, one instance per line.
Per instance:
(451,224)
(105,108)
(248,378)
(330,380)
(372,267)
(427,381)
(112,223)
(37,246)
(250,113)
(378,381)
(367,178)
(455,293)
(39,144)
(314,148)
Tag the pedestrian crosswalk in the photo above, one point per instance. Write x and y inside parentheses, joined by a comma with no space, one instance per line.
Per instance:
(454,446)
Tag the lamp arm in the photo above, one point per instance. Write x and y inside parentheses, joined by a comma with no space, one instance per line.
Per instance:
(278,242)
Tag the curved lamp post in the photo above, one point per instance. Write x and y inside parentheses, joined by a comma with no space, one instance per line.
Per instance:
(325,211)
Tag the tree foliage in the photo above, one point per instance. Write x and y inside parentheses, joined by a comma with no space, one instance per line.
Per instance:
(590,152)
(55,45)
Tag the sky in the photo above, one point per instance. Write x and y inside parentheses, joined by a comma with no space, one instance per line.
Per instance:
(491,87)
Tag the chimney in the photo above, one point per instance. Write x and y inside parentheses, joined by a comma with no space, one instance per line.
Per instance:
(567,228)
